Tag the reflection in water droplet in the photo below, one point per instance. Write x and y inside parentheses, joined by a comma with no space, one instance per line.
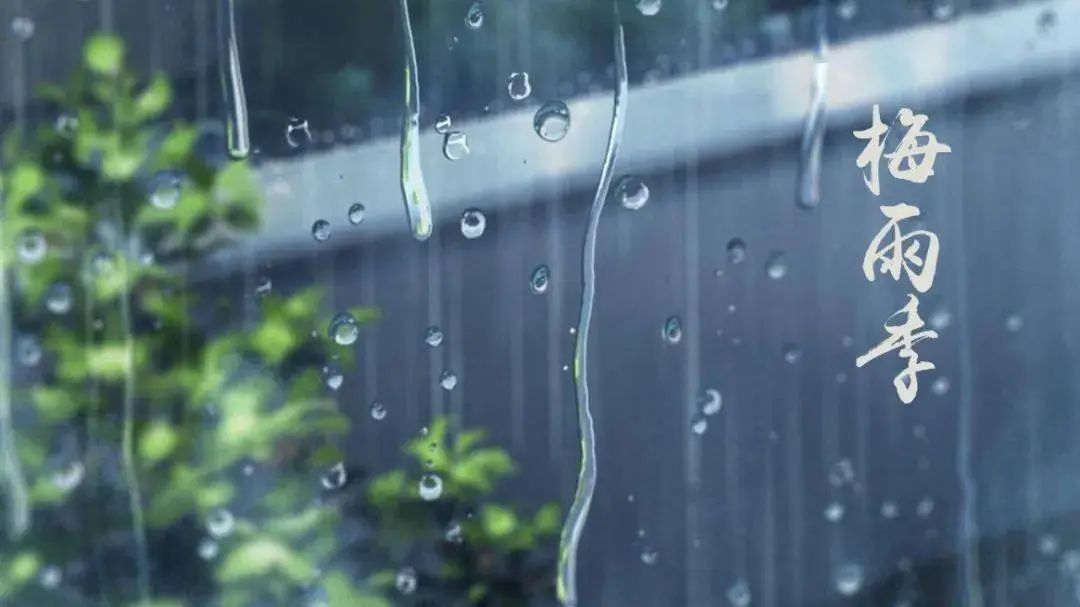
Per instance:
(448,380)
(220,523)
(431,487)
(631,192)
(58,298)
(841,473)
(23,28)
(518,86)
(320,230)
(165,189)
(699,424)
(552,121)
(433,336)
(335,478)
(650,556)
(711,401)
(455,145)
(356,214)
(541,277)
(473,223)
(890,510)
(443,124)
(237,136)
(776,265)
(344,329)
(739,594)
(672,330)
(297,132)
(649,7)
(31,246)
(736,250)
(405,581)
(834,512)
(474,17)
(378,411)
(849,579)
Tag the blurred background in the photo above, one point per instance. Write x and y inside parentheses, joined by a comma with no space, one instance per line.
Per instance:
(743,459)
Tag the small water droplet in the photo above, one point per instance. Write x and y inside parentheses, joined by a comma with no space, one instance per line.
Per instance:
(263,285)
(719,5)
(335,478)
(890,510)
(776,265)
(431,487)
(448,380)
(356,213)
(474,17)
(31,246)
(841,473)
(540,279)
(552,121)
(58,298)
(23,28)
(165,189)
(711,401)
(518,86)
(433,336)
(940,319)
(455,145)
(473,223)
(631,192)
(69,477)
(736,250)
(320,230)
(1047,21)
(941,385)
(1014,323)
(28,351)
(344,329)
(1048,545)
(443,124)
(649,7)
(650,556)
(792,354)
(50,577)
(672,330)
(739,594)
(405,581)
(849,579)
(454,534)
(834,512)
(66,125)
(847,9)
(699,424)
(925,507)
(208,549)
(378,411)
(943,10)
(220,523)
(297,132)
(334,379)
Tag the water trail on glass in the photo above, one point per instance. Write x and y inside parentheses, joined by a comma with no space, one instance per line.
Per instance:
(413,189)
(809,187)
(579,508)
(237,136)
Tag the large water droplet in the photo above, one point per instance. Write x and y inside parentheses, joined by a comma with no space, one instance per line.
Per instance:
(31,246)
(448,380)
(834,512)
(433,336)
(849,579)
(297,132)
(649,7)
(474,17)
(518,86)
(473,223)
(631,192)
(335,478)
(320,230)
(165,189)
(356,214)
(672,330)
(58,298)
(455,145)
(650,556)
(739,594)
(220,523)
(776,265)
(540,279)
(736,250)
(23,28)
(344,329)
(552,121)
(430,487)
(711,401)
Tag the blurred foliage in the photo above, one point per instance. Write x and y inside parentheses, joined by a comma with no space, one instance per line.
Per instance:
(135,405)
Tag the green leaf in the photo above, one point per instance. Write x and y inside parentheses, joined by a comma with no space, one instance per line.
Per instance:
(158,440)
(548,519)
(262,557)
(154,99)
(498,522)
(104,54)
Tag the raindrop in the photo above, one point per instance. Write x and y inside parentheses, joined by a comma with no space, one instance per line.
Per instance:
(890,510)
(443,124)
(344,329)
(220,523)
(649,7)
(834,512)
(1070,562)
(50,577)
(941,386)
(925,507)
(842,473)
(776,265)
(849,579)
(943,10)
(378,411)
(1014,323)
(165,189)
(356,214)
(739,594)
(792,354)
(631,192)
(28,351)
(335,478)
(1047,21)
(699,424)
(473,223)
(1048,545)
(552,121)
(405,582)
(31,246)
(23,28)
(58,298)
(334,379)
(736,250)
(263,286)
(448,380)
(69,477)
(66,124)
(208,549)
(540,279)
(672,330)
(431,487)
(711,401)
(320,230)
(474,17)
(455,145)
(650,556)
(940,319)
(454,534)
(297,132)
(847,9)
(719,5)
(517,86)
(433,336)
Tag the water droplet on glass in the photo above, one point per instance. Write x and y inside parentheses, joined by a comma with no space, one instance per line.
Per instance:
(711,401)
(66,124)
(31,246)
(405,581)
(941,386)
(940,319)
(1048,545)
(208,549)
(335,478)
(474,17)
(455,145)
(473,223)
(1070,562)
(792,354)
(433,336)
(834,512)
(454,534)
(50,577)
(443,124)
(58,298)
(776,266)
(1014,323)
(297,132)
(739,594)
(849,579)
(719,5)
(448,380)
(1047,21)
(672,330)
(320,230)
(699,424)
(649,7)
(846,9)
(28,351)
(736,250)
(631,192)
(890,510)
(552,121)
(517,86)
(69,477)
(540,279)
(356,214)
(943,10)
(842,473)
(334,379)
(263,285)
(220,523)
(650,556)
(165,189)
(925,507)
(430,487)
(344,329)
(23,28)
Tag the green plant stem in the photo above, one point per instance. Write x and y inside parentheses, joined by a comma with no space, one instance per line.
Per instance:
(18,507)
